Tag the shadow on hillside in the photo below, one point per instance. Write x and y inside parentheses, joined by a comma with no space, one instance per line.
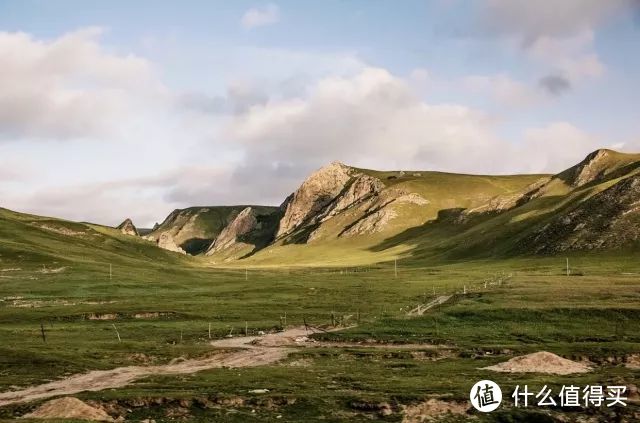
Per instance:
(195,246)
(481,235)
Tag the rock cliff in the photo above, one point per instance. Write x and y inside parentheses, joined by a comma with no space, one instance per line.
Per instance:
(128,228)
(313,196)
(244,223)
(167,242)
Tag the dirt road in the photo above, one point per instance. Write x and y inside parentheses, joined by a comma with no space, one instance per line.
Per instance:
(97,380)
(249,351)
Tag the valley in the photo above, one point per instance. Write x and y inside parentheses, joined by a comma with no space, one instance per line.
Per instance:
(365,296)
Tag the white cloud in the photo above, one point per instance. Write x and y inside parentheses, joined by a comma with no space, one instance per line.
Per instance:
(554,147)
(572,56)
(265,135)
(260,16)
(370,119)
(503,89)
(68,87)
(374,120)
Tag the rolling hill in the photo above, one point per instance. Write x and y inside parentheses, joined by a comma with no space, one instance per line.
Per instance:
(33,241)
(345,214)
(342,214)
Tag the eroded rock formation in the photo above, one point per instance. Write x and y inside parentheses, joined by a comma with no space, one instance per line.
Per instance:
(128,228)
(313,196)
(167,242)
(244,223)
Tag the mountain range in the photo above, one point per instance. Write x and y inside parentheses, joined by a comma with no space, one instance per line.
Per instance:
(346,214)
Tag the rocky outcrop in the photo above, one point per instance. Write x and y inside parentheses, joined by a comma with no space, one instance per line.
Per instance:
(313,196)
(411,198)
(331,192)
(244,223)
(608,219)
(590,169)
(372,222)
(326,193)
(360,188)
(167,242)
(380,211)
(502,203)
(597,167)
(194,229)
(128,228)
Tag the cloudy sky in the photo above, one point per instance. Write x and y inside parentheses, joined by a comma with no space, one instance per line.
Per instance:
(131,109)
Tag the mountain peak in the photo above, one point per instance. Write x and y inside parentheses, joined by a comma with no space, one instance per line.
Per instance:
(128,228)
(596,166)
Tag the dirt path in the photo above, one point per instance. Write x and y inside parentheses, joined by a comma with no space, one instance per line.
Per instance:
(250,351)
(98,380)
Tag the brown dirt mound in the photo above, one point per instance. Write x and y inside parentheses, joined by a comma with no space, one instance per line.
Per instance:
(69,408)
(633,362)
(433,409)
(540,362)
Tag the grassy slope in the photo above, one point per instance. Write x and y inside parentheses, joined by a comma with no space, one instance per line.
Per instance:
(27,241)
(418,234)
(442,190)
(594,315)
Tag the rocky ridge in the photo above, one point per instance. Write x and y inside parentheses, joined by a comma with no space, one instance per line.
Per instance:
(317,192)
(596,167)
(253,228)
(193,229)
(128,228)
(608,219)
(502,203)
(338,201)
(243,223)
(335,189)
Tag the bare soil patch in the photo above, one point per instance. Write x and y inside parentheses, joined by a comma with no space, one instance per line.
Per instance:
(21,303)
(633,362)
(60,230)
(247,351)
(433,409)
(540,362)
(99,380)
(69,408)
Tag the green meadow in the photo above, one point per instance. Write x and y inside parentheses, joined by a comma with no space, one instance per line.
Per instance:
(164,310)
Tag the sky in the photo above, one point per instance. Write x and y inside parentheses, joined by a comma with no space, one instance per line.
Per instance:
(125,109)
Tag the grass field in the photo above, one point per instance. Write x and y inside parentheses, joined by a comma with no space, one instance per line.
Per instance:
(163,311)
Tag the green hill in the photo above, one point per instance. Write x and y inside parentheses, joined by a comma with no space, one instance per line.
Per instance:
(48,245)
(76,297)
(434,215)
(346,215)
